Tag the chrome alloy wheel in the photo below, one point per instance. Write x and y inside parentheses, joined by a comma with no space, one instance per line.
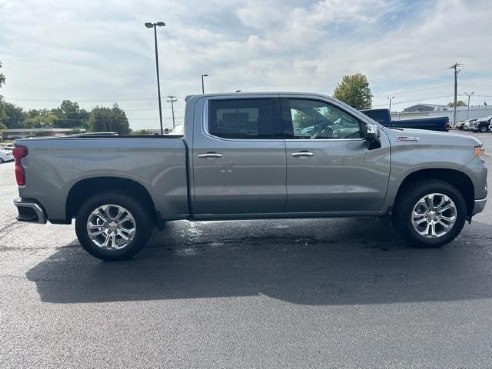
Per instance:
(111,227)
(434,215)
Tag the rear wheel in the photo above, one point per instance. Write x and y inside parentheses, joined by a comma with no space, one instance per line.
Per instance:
(483,129)
(430,213)
(113,226)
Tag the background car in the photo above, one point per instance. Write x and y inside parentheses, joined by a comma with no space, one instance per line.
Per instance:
(460,125)
(6,155)
(468,124)
(482,124)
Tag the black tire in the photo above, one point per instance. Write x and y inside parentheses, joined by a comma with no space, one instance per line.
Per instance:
(437,190)
(127,233)
(483,129)
(1,161)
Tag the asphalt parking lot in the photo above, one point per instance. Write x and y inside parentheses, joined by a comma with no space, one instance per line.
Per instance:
(323,293)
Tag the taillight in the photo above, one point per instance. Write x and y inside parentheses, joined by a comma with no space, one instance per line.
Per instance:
(19,152)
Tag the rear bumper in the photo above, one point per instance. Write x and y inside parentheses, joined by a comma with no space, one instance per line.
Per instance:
(479,206)
(30,211)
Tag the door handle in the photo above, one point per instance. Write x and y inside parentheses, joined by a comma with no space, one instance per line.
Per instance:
(210,155)
(302,154)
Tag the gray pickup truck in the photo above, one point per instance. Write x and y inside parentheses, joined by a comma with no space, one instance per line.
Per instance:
(252,156)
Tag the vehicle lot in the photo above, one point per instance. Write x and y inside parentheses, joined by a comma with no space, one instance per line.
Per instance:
(325,293)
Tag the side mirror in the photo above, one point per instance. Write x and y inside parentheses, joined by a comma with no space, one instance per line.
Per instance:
(372,135)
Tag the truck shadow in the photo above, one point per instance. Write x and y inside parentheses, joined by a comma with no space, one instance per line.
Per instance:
(314,262)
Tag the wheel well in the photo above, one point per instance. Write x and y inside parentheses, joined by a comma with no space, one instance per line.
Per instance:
(458,179)
(88,187)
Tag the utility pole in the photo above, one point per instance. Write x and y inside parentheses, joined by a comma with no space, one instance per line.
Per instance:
(457,68)
(172,100)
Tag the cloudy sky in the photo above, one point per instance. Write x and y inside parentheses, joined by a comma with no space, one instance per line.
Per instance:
(99,52)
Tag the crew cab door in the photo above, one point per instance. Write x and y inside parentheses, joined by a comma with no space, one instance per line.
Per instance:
(329,167)
(238,156)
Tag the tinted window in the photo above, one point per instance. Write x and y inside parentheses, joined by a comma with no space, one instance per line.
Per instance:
(315,119)
(379,115)
(242,118)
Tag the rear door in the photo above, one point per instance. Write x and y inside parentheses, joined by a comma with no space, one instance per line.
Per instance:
(329,167)
(238,155)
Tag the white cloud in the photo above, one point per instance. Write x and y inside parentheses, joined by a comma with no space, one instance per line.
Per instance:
(354,11)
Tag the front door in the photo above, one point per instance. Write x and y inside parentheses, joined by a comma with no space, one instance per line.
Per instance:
(329,167)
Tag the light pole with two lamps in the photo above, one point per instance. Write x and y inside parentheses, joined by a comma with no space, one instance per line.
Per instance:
(154,25)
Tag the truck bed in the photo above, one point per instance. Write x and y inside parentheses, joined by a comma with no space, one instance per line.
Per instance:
(61,164)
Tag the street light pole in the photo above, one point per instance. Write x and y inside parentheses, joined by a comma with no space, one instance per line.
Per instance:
(203,85)
(468,110)
(390,98)
(154,25)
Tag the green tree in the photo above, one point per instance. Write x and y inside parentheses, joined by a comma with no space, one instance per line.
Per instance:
(102,119)
(2,81)
(2,115)
(70,115)
(458,103)
(43,118)
(11,116)
(354,90)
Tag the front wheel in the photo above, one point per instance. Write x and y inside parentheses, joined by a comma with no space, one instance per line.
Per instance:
(430,213)
(483,129)
(113,226)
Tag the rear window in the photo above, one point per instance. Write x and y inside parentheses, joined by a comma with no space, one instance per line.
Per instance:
(241,118)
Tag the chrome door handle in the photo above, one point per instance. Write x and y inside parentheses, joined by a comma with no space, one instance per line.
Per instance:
(210,155)
(302,154)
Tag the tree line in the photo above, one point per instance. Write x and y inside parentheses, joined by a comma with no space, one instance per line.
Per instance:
(67,115)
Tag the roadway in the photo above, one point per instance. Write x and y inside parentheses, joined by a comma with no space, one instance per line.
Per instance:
(323,293)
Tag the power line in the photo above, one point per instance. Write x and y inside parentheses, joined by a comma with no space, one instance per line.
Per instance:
(411,91)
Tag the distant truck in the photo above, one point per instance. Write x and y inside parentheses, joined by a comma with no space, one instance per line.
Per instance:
(252,156)
(383,116)
(482,125)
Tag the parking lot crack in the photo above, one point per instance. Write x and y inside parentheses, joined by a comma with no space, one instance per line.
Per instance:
(11,226)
